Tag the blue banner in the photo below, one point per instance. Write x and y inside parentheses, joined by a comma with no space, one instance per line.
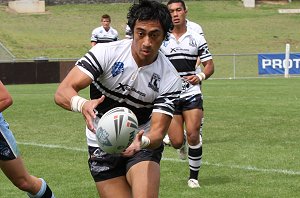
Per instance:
(275,63)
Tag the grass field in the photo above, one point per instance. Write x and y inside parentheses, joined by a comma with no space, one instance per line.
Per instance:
(251,142)
(64,31)
(251,131)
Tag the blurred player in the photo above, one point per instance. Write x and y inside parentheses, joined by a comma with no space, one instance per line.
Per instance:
(132,73)
(11,162)
(183,48)
(105,33)
(128,32)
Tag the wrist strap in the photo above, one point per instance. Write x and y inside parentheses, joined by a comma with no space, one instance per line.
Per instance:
(145,142)
(77,103)
(201,76)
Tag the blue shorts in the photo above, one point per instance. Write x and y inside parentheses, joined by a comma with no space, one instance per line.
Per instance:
(188,103)
(8,145)
(105,166)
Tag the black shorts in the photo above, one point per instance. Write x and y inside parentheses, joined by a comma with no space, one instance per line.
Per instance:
(188,103)
(105,166)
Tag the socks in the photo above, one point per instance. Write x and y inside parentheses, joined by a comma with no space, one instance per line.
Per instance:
(195,160)
(44,192)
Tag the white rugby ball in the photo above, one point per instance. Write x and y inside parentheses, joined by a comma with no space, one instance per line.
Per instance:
(116,130)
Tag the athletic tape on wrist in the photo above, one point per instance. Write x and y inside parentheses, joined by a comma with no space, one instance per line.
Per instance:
(201,76)
(145,142)
(77,103)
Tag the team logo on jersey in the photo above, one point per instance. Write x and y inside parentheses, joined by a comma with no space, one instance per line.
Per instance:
(205,50)
(117,68)
(154,83)
(193,42)
(185,85)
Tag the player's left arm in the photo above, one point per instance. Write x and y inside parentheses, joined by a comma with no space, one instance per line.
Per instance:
(202,74)
(159,125)
(209,68)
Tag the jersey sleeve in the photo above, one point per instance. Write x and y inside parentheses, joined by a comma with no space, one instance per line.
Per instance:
(203,50)
(94,35)
(91,63)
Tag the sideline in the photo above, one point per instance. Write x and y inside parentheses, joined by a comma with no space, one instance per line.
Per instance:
(247,168)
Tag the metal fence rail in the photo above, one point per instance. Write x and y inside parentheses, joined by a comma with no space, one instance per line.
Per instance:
(227,66)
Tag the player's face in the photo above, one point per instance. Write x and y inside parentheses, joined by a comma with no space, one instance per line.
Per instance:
(105,23)
(147,39)
(178,13)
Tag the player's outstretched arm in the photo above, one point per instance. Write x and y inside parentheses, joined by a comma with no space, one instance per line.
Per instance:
(5,98)
(159,125)
(67,96)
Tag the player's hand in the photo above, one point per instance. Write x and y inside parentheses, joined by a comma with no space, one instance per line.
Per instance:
(89,113)
(135,146)
(193,79)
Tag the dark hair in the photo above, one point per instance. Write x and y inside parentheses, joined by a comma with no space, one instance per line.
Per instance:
(177,1)
(105,16)
(150,10)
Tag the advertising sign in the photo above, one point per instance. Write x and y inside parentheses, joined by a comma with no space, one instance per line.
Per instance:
(275,63)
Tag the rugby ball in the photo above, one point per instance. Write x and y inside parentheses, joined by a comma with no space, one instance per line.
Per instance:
(116,130)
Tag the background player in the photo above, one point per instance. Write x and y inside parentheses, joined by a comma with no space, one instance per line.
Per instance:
(183,48)
(105,33)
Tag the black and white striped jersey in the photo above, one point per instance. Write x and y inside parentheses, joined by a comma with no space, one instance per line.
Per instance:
(194,26)
(183,54)
(100,35)
(147,89)
(117,76)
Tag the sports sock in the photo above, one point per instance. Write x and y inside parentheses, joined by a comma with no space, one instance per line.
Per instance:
(195,160)
(44,192)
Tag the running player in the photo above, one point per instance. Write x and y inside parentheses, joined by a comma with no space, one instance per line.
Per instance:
(104,33)
(132,73)
(183,48)
(11,162)
(197,28)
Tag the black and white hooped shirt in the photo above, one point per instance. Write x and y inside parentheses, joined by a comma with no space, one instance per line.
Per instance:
(183,54)
(144,90)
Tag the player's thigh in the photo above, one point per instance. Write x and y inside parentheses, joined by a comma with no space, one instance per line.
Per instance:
(144,177)
(192,119)
(116,187)
(175,131)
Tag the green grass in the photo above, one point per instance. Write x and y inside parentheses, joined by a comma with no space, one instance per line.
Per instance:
(251,131)
(251,142)
(64,31)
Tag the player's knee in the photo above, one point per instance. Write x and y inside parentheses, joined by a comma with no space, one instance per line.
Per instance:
(193,139)
(177,144)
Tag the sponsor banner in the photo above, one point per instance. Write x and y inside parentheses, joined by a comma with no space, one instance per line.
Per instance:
(275,63)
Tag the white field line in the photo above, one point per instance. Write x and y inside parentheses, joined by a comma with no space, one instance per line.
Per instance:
(247,168)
